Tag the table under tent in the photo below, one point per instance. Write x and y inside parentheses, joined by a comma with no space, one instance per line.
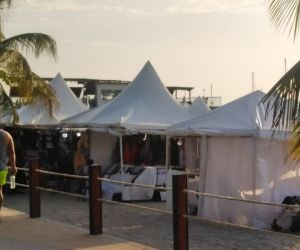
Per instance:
(136,118)
(38,134)
(240,158)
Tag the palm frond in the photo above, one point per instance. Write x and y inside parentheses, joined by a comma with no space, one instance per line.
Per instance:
(283,99)
(4,77)
(36,43)
(5,4)
(15,72)
(41,94)
(2,37)
(285,15)
(283,105)
(8,113)
(14,64)
(294,143)
(35,91)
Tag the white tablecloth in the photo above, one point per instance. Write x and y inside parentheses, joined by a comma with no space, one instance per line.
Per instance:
(152,176)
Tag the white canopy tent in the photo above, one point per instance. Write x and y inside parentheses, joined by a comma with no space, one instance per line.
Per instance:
(190,161)
(145,106)
(198,107)
(244,116)
(239,159)
(69,105)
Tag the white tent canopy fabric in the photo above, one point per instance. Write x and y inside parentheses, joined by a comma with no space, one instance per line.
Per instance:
(240,159)
(144,106)
(245,116)
(199,107)
(69,105)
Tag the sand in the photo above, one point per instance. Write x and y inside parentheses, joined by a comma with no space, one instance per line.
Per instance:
(152,229)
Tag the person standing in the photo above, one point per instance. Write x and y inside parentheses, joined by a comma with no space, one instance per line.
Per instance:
(82,152)
(7,152)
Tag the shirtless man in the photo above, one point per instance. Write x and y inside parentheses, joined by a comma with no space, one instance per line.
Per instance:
(7,152)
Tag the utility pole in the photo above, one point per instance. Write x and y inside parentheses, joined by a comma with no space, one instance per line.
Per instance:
(285,66)
(253,82)
(211,94)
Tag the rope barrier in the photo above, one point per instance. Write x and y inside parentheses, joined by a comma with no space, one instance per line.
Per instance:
(136,206)
(22,185)
(191,173)
(23,169)
(195,218)
(239,199)
(163,188)
(61,192)
(134,184)
(63,175)
(19,184)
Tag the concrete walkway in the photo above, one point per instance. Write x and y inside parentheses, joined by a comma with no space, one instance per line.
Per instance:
(18,231)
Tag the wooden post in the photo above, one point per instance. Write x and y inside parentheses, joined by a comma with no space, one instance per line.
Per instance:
(180,208)
(95,205)
(34,193)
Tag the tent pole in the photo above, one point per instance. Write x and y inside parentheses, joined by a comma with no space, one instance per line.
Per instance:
(254,180)
(167,152)
(203,169)
(254,169)
(122,165)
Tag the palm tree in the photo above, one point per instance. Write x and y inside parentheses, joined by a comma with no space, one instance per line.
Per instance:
(16,72)
(285,15)
(283,98)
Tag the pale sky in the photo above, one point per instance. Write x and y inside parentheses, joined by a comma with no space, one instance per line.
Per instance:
(193,43)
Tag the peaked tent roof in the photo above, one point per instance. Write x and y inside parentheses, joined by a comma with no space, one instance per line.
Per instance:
(143,106)
(69,105)
(244,117)
(199,107)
